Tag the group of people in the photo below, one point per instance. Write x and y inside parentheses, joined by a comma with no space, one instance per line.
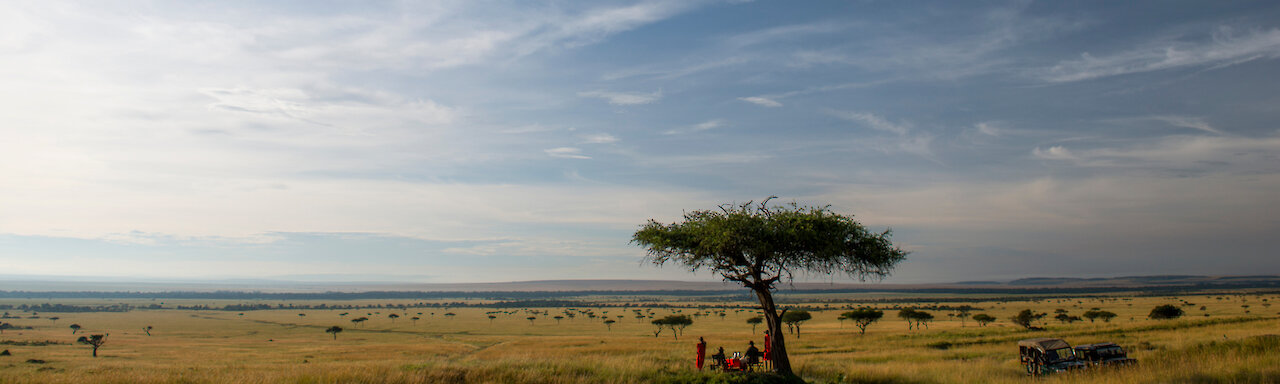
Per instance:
(746,362)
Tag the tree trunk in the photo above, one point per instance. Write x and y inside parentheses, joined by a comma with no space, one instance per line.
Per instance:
(777,351)
(95,351)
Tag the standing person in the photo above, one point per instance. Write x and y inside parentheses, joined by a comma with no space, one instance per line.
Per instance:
(768,345)
(753,355)
(702,353)
(719,359)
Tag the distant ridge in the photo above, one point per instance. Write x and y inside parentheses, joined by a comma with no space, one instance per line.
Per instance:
(602,285)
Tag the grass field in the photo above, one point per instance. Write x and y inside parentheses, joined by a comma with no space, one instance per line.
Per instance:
(1220,343)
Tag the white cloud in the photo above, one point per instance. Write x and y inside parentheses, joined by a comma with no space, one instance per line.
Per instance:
(1225,49)
(710,124)
(566,152)
(622,98)
(599,138)
(1188,122)
(761,101)
(987,128)
(1056,152)
(874,122)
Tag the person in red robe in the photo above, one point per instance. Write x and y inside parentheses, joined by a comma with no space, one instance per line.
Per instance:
(702,353)
(767,345)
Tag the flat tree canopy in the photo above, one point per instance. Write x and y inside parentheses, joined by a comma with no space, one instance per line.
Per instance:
(758,245)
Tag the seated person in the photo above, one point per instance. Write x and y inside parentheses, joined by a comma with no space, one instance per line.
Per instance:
(718,358)
(753,354)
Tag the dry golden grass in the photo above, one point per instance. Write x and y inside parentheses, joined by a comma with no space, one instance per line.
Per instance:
(278,346)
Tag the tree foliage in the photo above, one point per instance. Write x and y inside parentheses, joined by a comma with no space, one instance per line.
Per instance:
(794,318)
(758,245)
(983,319)
(754,321)
(94,341)
(335,330)
(1026,318)
(863,317)
(1164,312)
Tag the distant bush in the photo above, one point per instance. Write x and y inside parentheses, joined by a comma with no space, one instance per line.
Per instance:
(1167,311)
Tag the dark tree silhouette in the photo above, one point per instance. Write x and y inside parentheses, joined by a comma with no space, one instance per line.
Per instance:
(1164,312)
(754,321)
(758,245)
(335,330)
(75,328)
(54,319)
(393,317)
(963,313)
(863,317)
(95,341)
(531,319)
(909,315)
(794,318)
(558,318)
(359,320)
(921,318)
(415,320)
(1027,318)
(983,319)
(491,317)
(609,324)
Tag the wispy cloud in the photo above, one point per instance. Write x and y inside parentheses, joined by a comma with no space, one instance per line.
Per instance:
(1188,122)
(566,153)
(1056,152)
(699,127)
(987,128)
(874,122)
(599,138)
(1225,49)
(623,98)
(761,101)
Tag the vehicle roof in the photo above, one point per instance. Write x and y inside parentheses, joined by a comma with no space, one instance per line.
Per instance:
(1104,344)
(1044,343)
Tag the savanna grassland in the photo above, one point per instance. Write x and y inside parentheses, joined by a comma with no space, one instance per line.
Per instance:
(1220,339)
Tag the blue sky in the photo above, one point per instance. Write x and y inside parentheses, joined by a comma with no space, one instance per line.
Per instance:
(477,141)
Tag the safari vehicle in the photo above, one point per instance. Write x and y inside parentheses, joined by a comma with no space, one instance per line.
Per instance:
(1047,355)
(1104,353)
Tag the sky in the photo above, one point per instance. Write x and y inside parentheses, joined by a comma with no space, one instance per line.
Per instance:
(479,141)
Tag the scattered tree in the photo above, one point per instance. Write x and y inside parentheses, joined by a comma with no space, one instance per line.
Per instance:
(335,330)
(415,320)
(1027,318)
(1164,312)
(95,341)
(863,317)
(491,317)
(558,318)
(357,321)
(393,317)
(794,318)
(609,323)
(531,319)
(758,245)
(983,319)
(754,321)
(54,319)
(75,328)
(963,313)
(909,315)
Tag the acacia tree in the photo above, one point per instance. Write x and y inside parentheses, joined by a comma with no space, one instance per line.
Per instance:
(335,330)
(983,319)
(794,318)
(863,317)
(758,245)
(75,328)
(754,321)
(94,341)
